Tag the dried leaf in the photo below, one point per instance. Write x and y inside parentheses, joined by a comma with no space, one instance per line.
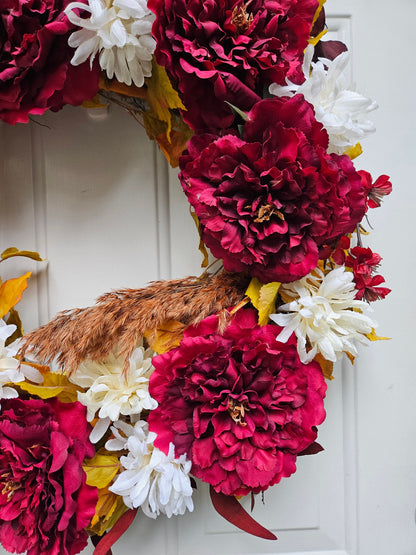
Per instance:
(94,103)
(101,469)
(350,357)
(112,85)
(202,248)
(13,251)
(162,97)
(180,134)
(326,365)
(372,336)
(55,384)
(14,318)
(11,292)
(263,297)
(167,336)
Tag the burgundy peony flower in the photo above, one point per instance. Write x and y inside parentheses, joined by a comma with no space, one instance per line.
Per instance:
(363,262)
(229,50)
(241,405)
(35,69)
(45,503)
(267,201)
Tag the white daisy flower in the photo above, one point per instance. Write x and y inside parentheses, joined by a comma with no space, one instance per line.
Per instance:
(156,482)
(324,315)
(120,32)
(341,110)
(110,392)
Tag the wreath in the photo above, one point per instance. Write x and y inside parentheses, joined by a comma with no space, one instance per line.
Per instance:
(220,377)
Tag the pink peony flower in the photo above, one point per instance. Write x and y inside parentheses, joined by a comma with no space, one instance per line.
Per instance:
(35,69)
(267,201)
(240,405)
(45,503)
(229,50)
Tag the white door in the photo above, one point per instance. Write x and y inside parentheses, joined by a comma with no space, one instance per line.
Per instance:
(98,201)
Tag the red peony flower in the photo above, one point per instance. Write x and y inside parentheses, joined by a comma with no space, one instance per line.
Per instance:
(45,503)
(375,191)
(267,201)
(229,50)
(363,262)
(240,405)
(35,69)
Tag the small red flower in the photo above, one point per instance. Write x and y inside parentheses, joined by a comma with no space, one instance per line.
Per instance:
(337,252)
(363,262)
(35,69)
(375,191)
(45,504)
(240,404)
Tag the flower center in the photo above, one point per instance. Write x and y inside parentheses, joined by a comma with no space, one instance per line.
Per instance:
(237,411)
(9,486)
(241,19)
(266,211)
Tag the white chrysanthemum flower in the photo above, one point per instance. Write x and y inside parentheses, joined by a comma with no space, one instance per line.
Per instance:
(9,366)
(324,315)
(156,482)
(341,110)
(110,392)
(120,31)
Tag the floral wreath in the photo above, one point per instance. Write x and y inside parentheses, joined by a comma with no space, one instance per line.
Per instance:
(222,376)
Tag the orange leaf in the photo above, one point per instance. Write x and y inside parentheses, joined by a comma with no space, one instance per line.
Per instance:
(326,365)
(11,292)
(115,86)
(167,336)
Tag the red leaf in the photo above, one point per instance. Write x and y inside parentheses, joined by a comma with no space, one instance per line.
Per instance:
(312,449)
(229,508)
(104,545)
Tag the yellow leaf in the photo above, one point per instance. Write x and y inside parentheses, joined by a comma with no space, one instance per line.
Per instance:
(201,245)
(314,40)
(354,151)
(326,365)
(372,336)
(55,384)
(13,251)
(108,510)
(318,11)
(14,318)
(11,292)
(101,469)
(167,336)
(253,291)
(162,97)
(263,297)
